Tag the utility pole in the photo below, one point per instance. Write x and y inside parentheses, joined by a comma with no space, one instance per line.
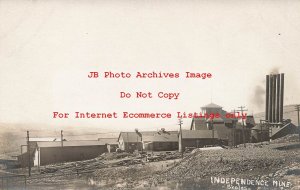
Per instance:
(28,151)
(297,108)
(62,138)
(180,131)
(233,129)
(261,133)
(213,131)
(242,111)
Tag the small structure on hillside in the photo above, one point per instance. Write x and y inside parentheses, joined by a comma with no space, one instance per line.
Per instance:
(111,143)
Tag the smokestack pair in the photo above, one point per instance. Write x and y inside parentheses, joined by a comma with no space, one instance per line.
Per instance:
(274,98)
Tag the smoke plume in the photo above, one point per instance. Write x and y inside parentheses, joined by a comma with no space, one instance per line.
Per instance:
(258,98)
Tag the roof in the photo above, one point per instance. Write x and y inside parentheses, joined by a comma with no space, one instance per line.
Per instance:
(43,139)
(161,138)
(130,136)
(108,140)
(215,120)
(212,105)
(69,143)
(198,134)
(139,136)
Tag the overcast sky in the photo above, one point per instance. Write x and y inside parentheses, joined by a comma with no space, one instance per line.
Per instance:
(47,49)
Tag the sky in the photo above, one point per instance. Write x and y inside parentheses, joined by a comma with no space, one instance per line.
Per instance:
(48,48)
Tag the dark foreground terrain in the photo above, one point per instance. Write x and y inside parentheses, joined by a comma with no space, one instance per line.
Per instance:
(274,165)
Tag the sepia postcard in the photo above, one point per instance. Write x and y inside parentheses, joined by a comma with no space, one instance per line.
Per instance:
(149,94)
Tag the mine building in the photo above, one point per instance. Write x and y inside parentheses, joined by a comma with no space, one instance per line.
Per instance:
(67,151)
(23,157)
(111,143)
(130,141)
(161,140)
(230,131)
(198,139)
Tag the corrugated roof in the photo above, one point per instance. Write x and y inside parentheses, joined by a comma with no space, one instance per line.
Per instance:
(212,105)
(198,134)
(69,143)
(161,138)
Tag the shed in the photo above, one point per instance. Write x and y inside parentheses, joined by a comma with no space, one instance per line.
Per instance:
(68,151)
(164,141)
(198,138)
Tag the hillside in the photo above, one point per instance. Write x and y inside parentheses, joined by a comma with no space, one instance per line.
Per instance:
(288,113)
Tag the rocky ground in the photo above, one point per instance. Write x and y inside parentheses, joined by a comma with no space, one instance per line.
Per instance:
(276,163)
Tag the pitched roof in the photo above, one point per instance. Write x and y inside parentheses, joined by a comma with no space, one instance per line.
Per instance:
(212,105)
(139,136)
(198,134)
(69,143)
(161,138)
(130,136)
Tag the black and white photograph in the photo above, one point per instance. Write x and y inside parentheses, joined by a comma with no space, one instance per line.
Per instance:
(149,94)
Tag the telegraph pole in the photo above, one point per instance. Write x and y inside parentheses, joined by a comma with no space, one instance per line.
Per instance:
(28,151)
(242,111)
(233,128)
(213,131)
(297,108)
(180,131)
(62,138)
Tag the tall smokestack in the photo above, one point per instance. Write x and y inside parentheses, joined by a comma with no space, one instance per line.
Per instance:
(274,99)
(281,97)
(278,98)
(267,97)
(271,99)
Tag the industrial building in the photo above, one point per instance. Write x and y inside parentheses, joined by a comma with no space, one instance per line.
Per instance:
(230,131)
(274,121)
(23,157)
(161,140)
(197,139)
(66,151)
(111,143)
